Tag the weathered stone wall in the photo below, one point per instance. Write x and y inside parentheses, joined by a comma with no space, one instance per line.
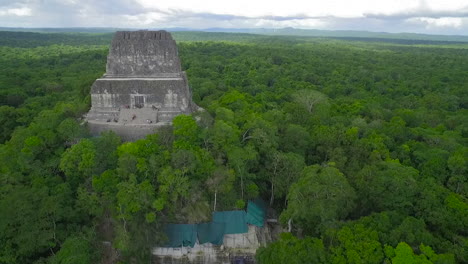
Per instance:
(143,53)
(163,92)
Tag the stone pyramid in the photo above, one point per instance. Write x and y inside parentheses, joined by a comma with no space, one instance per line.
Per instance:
(143,87)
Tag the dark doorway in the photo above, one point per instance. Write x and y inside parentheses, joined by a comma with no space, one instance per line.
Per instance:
(139,101)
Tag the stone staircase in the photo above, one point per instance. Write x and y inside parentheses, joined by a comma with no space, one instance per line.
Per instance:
(138,116)
(103,116)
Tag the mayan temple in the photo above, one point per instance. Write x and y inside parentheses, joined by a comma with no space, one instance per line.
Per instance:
(143,88)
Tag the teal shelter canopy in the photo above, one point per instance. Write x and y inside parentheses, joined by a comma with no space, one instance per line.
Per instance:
(234,221)
(226,222)
(211,233)
(181,235)
(256,212)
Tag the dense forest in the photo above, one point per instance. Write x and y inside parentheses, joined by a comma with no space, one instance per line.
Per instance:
(361,146)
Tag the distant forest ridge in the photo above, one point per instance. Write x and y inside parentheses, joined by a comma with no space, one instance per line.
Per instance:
(347,34)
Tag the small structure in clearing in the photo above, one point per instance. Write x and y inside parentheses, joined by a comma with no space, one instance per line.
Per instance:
(231,237)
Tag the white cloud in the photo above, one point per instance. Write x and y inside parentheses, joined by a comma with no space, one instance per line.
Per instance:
(443,22)
(24,11)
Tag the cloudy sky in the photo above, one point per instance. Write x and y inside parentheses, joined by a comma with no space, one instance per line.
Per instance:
(420,16)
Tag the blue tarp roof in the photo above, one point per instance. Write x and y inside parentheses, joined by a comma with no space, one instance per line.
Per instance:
(226,222)
(181,235)
(211,233)
(234,221)
(256,212)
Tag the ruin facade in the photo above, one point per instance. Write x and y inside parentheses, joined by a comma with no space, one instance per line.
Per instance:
(143,88)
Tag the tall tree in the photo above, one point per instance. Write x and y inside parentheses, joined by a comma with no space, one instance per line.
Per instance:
(320,196)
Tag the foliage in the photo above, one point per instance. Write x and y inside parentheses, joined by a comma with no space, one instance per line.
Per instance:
(290,249)
(76,250)
(361,144)
(320,196)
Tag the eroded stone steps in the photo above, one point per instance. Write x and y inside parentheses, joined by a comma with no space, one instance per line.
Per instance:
(102,116)
(137,116)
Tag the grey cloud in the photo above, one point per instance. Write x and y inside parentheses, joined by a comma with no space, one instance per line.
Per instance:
(115,7)
(392,26)
(4,3)
(233,17)
(58,13)
(128,13)
(119,7)
(184,13)
(58,7)
(422,11)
